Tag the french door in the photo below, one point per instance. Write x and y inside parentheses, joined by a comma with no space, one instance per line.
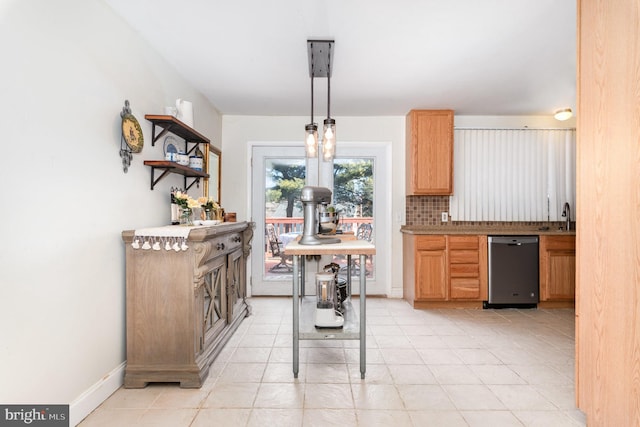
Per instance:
(358,180)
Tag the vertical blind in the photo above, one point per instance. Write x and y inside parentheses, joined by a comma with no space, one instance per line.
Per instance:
(513,174)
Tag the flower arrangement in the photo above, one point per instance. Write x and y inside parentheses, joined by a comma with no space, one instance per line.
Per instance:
(208,204)
(185,201)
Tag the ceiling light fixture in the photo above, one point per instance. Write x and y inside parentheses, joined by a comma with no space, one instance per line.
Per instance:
(564,114)
(320,57)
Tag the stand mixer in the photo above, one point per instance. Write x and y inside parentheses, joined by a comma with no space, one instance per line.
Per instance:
(312,198)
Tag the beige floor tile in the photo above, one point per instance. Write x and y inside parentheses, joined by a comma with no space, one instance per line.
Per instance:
(442,367)
(440,356)
(491,419)
(454,374)
(411,374)
(283,373)
(376,418)
(252,340)
(323,373)
(180,398)
(329,418)
(521,397)
(221,417)
(336,396)
(422,397)
(168,417)
(402,356)
(374,374)
(280,395)
(546,419)
(251,355)
(376,396)
(496,374)
(242,373)
(133,398)
(437,419)
(473,398)
(112,417)
(261,417)
(232,395)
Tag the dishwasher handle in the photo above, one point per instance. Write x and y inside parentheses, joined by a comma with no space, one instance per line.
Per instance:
(513,240)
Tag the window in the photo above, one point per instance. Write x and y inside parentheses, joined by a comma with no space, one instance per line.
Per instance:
(513,174)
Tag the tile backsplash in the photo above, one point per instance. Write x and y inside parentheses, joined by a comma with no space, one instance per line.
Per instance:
(427,211)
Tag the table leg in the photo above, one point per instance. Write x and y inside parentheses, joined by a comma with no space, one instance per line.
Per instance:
(363,316)
(349,276)
(296,315)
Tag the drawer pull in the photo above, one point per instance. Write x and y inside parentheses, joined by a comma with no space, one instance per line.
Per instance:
(220,246)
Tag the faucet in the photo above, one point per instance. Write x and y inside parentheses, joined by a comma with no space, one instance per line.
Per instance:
(566,212)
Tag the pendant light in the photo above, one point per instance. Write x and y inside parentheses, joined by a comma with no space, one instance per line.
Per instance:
(329,128)
(311,131)
(320,64)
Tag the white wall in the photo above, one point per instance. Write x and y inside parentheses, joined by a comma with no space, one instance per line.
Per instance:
(67,67)
(240,131)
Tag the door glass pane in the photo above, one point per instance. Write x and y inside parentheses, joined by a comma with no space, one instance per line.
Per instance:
(353,184)
(284,179)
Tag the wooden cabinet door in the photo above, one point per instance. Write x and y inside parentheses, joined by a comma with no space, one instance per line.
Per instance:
(429,157)
(236,290)
(431,268)
(211,304)
(557,268)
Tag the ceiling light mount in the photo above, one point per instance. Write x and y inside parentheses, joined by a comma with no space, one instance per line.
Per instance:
(320,54)
(563,114)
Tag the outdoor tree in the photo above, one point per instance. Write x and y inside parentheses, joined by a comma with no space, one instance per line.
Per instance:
(353,185)
(288,180)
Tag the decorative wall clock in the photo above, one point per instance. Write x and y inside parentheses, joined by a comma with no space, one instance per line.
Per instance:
(132,139)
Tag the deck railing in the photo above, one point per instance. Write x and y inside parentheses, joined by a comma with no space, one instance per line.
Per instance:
(291,225)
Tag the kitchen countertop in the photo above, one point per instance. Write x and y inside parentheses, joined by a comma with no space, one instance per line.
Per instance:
(485,229)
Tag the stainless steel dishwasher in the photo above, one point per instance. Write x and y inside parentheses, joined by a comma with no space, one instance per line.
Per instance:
(513,271)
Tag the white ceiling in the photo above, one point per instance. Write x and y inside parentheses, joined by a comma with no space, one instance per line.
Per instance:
(478,57)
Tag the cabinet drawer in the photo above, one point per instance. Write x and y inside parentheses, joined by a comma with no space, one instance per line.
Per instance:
(463,242)
(465,288)
(465,270)
(431,243)
(464,257)
(225,244)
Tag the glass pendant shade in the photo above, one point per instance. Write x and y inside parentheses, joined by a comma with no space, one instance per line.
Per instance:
(329,139)
(311,140)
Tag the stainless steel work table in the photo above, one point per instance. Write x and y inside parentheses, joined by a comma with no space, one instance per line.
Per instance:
(303,306)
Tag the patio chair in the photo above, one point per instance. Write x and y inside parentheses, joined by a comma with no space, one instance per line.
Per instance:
(277,250)
(363,232)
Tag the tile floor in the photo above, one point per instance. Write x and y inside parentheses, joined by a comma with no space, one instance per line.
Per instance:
(442,368)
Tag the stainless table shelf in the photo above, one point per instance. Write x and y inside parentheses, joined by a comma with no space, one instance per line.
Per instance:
(308,330)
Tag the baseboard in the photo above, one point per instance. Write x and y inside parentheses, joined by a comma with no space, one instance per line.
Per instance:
(396,293)
(96,394)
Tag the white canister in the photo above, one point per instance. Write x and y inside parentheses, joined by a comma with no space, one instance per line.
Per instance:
(184,112)
(170,157)
(195,162)
(182,159)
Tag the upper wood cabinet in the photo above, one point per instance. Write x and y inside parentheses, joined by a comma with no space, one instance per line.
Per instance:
(429,156)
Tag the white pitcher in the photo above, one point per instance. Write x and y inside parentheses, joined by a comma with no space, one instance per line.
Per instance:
(185,112)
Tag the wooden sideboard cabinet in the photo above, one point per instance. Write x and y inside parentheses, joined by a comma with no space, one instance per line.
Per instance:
(445,268)
(557,268)
(429,152)
(183,306)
